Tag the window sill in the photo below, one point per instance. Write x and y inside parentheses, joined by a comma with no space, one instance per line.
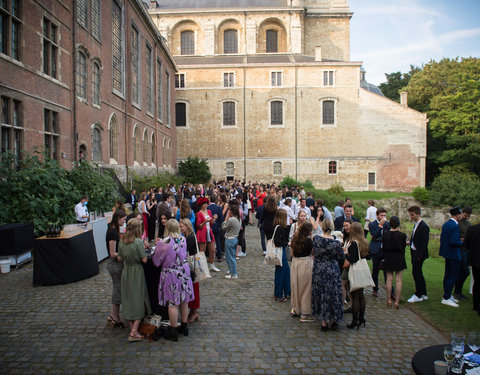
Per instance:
(276,126)
(229,127)
(113,162)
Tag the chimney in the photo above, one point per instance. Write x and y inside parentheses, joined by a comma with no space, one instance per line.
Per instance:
(318,53)
(403,98)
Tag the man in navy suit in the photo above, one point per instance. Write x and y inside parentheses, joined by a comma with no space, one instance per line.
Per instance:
(376,229)
(450,247)
(418,252)
(132,199)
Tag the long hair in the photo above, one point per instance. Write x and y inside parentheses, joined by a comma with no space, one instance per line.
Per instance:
(235,211)
(185,209)
(134,230)
(357,234)
(280,218)
(300,237)
(172,229)
(189,226)
(118,214)
(270,204)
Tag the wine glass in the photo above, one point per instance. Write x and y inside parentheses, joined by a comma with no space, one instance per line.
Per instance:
(474,342)
(448,354)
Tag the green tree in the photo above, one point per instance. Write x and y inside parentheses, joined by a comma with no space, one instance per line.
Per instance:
(195,170)
(396,81)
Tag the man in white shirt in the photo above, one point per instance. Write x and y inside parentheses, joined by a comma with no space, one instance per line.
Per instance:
(287,206)
(370,216)
(81,211)
(303,207)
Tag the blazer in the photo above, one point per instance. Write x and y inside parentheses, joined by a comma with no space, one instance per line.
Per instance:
(377,236)
(217,225)
(450,243)
(420,240)
(132,199)
(338,222)
(472,243)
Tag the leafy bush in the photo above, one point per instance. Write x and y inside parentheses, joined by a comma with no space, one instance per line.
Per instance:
(456,186)
(421,194)
(195,170)
(290,181)
(144,183)
(329,198)
(337,189)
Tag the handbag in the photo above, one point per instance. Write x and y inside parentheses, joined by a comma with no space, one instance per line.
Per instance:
(273,254)
(359,274)
(198,263)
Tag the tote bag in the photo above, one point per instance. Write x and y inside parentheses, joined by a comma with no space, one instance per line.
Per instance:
(359,274)
(198,263)
(273,254)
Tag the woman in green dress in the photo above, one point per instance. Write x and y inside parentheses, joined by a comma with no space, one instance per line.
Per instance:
(134,292)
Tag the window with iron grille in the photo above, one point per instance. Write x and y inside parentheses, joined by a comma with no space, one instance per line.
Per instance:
(51,133)
(228,79)
(96,19)
(149,78)
(371,178)
(159,90)
(272,41)
(187,43)
(12,128)
(136,76)
(277,167)
(50,48)
(81,75)
(228,113)
(10,24)
(276,112)
(230,168)
(180,80)
(276,79)
(117,48)
(328,78)
(96,145)
(230,41)
(332,167)
(180,114)
(113,138)
(96,82)
(328,112)
(82,12)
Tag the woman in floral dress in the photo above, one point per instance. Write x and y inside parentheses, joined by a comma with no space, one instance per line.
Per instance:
(327,301)
(175,288)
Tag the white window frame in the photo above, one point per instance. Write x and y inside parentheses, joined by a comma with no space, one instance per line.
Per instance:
(276,72)
(335,112)
(329,84)
(179,75)
(226,169)
(234,78)
(269,109)
(236,113)
(368,179)
(281,168)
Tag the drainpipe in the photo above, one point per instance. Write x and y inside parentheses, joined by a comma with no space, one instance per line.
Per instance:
(74,77)
(244,124)
(296,123)
(126,95)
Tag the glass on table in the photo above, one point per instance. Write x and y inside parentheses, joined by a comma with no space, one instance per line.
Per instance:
(474,344)
(458,342)
(448,354)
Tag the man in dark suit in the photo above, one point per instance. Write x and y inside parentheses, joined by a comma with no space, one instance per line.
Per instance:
(258,215)
(472,243)
(450,246)
(376,229)
(217,224)
(338,223)
(132,199)
(418,252)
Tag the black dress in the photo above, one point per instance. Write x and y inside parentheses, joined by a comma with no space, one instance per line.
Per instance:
(394,244)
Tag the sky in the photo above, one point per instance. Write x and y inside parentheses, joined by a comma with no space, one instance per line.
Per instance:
(390,35)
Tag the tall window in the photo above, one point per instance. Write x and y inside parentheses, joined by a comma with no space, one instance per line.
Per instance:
(82,12)
(276,112)
(153,149)
(371,178)
(96,145)
(136,76)
(117,48)
(180,80)
(180,114)
(272,41)
(159,90)
(51,131)
(168,99)
(149,79)
(12,128)
(96,19)
(277,167)
(136,144)
(328,78)
(50,48)
(230,41)
(332,167)
(276,79)
(228,79)
(230,168)
(145,146)
(96,84)
(10,23)
(187,43)
(113,138)
(81,75)
(228,113)
(328,112)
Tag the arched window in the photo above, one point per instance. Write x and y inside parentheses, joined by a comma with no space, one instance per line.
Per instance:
(230,168)
(332,167)
(96,145)
(113,137)
(187,46)
(272,41)
(230,41)
(164,151)
(136,144)
(145,146)
(276,112)
(154,149)
(96,81)
(277,167)
(81,75)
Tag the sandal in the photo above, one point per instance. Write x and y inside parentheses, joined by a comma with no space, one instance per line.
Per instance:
(284,299)
(115,323)
(134,338)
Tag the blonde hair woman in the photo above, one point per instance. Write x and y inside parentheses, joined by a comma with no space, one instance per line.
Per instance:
(135,299)
(175,288)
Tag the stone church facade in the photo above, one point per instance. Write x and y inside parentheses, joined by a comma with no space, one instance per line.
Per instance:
(266,89)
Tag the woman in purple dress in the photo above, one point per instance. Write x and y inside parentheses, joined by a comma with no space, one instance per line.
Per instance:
(175,288)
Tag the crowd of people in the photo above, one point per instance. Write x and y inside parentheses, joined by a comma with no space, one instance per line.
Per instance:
(318,248)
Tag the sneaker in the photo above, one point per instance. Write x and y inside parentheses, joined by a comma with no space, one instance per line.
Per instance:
(424,297)
(414,298)
(242,254)
(307,319)
(231,277)
(453,299)
(264,253)
(449,302)
(213,268)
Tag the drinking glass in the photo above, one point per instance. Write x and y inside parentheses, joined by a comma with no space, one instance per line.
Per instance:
(448,354)
(474,343)
(458,342)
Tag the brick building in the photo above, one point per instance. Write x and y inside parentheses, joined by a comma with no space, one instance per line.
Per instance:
(87,79)
(266,88)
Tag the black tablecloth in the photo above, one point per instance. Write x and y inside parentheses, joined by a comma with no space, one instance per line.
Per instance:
(152,277)
(422,361)
(64,260)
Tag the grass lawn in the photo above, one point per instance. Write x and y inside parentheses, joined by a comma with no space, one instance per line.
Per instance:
(375,195)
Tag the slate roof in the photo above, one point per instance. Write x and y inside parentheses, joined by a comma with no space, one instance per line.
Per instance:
(371,87)
(208,4)
(247,59)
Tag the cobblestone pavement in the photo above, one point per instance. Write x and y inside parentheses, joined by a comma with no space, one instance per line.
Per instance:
(242,330)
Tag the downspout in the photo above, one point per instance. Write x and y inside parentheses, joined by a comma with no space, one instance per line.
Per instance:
(296,123)
(126,94)
(244,124)
(74,104)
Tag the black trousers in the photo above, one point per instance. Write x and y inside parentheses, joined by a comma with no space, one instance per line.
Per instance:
(476,288)
(376,260)
(417,273)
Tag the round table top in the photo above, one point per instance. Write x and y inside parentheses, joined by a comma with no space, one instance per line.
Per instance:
(422,361)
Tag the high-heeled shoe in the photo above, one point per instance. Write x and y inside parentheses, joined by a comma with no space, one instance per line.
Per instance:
(114,323)
(389,304)
(397,305)
(183,329)
(353,324)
